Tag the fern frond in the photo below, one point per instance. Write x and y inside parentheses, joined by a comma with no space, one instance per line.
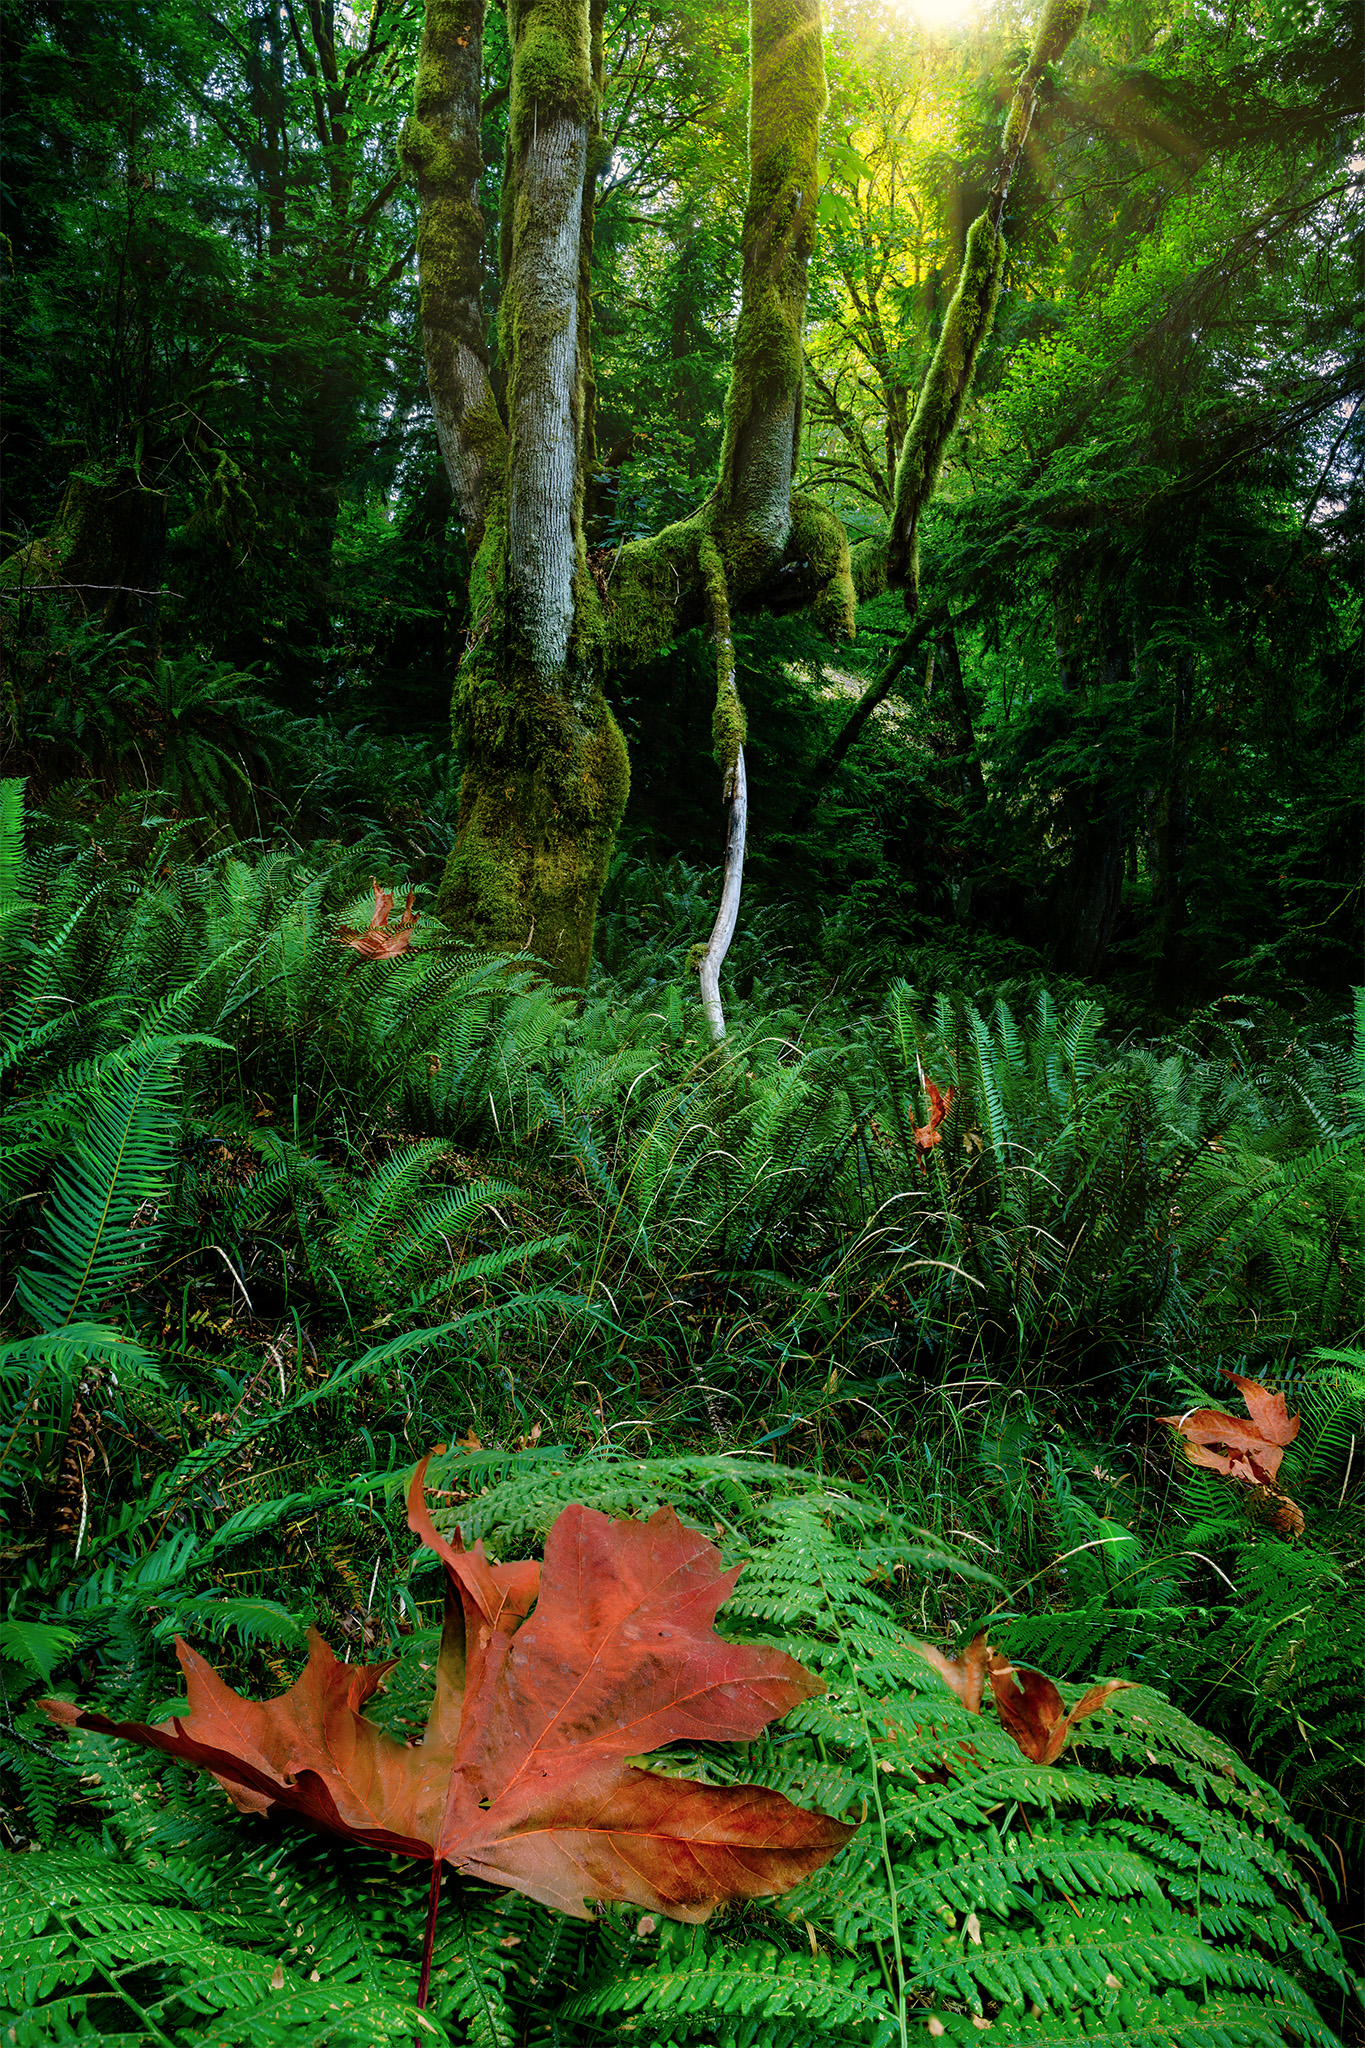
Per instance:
(101,1218)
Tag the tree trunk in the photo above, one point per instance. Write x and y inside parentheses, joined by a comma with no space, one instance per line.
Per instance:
(545,770)
(1086,904)
(1173,830)
(104,554)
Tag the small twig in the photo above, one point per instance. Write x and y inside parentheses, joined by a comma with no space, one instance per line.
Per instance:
(128,589)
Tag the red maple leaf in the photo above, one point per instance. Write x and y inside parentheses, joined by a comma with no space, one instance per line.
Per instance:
(1035,1713)
(379,940)
(928,1135)
(1248,1447)
(523,1778)
(1029,1705)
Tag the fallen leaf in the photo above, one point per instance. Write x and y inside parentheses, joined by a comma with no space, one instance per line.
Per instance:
(1035,1713)
(379,940)
(965,1674)
(928,1135)
(1247,1447)
(1268,1411)
(521,1778)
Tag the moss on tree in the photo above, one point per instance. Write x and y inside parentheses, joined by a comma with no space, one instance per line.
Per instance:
(944,391)
(544,790)
(763,405)
(440,147)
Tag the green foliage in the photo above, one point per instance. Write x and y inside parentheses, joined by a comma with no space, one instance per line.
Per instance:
(92,1945)
(1149,1855)
(277,1219)
(1261,1637)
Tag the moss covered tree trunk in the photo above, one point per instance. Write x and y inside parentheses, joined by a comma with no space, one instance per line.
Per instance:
(545,770)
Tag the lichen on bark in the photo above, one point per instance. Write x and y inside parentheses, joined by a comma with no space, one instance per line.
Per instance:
(440,147)
(763,406)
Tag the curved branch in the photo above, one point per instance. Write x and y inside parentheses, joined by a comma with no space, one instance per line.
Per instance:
(730,732)
(723,930)
(970,314)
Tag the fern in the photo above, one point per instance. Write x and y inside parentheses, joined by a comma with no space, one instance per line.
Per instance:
(699,1986)
(92,1945)
(118,1172)
(1150,1863)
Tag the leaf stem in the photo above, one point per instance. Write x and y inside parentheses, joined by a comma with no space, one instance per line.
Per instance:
(429,1940)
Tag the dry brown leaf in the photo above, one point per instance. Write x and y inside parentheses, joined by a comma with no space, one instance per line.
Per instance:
(1248,1447)
(522,1777)
(1034,1712)
(926,1136)
(965,1674)
(379,940)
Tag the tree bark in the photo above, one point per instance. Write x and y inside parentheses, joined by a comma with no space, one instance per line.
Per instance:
(441,147)
(970,315)
(763,407)
(545,771)
(546,776)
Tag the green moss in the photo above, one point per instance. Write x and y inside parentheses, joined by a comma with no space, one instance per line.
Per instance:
(1060,22)
(786,100)
(820,545)
(965,327)
(729,727)
(37,562)
(440,146)
(544,790)
(1016,123)
(551,67)
(652,591)
(867,566)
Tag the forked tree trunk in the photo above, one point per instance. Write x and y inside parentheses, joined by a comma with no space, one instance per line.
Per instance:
(545,770)
(545,773)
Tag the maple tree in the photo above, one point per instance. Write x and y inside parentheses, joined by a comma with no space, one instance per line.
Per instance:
(1248,1447)
(1028,1703)
(549,1680)
(380,939)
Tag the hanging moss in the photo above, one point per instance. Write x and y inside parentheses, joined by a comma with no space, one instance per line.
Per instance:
(965,327)
(729,727)
(653,592)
